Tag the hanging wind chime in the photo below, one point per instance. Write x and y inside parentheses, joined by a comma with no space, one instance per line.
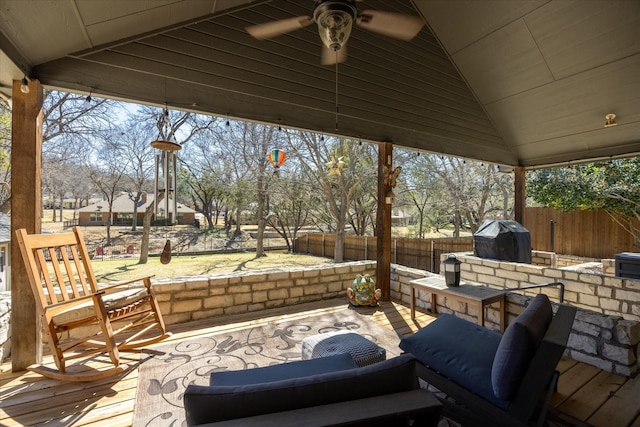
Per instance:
(165,182)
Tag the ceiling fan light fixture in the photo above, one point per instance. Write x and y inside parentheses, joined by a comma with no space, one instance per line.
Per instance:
(335,20)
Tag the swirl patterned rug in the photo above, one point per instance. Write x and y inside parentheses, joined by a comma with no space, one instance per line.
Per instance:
(167,369)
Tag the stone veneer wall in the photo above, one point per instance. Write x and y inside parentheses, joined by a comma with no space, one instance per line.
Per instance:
(606,332)
(194,298)
(185,299)
(602,339)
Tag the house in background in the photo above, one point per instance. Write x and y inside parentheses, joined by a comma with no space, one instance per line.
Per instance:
(400,218)
(49,202)
(122,212)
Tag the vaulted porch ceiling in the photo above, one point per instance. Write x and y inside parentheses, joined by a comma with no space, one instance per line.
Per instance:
(519,82)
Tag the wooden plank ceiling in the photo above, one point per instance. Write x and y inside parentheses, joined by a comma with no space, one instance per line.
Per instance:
(518,82)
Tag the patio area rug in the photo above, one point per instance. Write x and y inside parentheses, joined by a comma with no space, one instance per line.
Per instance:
(167,369)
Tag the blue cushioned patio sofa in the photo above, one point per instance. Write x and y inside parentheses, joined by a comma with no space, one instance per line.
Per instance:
(317,392)
(491,379)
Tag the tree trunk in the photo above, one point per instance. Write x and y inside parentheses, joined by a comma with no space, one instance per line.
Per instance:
(146,229)
(109,224)
(238,228)
(134,221)
(260,239)
(338,251)
(261,221)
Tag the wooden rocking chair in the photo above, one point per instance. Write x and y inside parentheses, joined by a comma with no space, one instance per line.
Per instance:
(106,320)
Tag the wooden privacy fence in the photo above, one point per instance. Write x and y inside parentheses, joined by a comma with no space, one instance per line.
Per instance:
(592,234)
(415,253)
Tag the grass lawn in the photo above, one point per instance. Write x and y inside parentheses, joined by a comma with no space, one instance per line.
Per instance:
(195,265)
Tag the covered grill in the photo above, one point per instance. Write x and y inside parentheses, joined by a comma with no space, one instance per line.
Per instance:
(503,240)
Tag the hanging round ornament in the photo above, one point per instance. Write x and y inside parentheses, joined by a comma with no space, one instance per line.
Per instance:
(277,158)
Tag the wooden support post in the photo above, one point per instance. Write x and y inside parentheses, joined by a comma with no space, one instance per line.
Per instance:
(519,182)
(26,211)
(383,223)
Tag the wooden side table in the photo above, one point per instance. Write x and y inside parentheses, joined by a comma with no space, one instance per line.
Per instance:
(479,296)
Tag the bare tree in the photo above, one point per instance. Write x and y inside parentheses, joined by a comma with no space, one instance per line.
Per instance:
(169,125)
(333,167)
(5,155)
(139,160)
(290,202)
(108,176)
(82,188)
(365,197)
(72,127)
(246,160)
(468,191)
(201,171)
(258,141)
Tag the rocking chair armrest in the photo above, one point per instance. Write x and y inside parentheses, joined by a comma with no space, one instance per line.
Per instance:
(146,280)
(54,309)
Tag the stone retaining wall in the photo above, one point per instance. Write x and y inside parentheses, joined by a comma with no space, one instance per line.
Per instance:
(606,332)
(605,340)
(194,298)
(185,299)
(603,294)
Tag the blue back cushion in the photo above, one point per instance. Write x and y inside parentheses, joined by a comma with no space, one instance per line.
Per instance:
(518,345)
(283,371)
(208,404)
(459,350)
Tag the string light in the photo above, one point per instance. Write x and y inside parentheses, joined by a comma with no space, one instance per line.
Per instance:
(88,98)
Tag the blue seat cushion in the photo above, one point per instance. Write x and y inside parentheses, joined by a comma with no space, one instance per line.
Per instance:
(283,371)
(460,350)
(518,345)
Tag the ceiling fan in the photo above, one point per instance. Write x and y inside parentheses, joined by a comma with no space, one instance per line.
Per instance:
(335,19)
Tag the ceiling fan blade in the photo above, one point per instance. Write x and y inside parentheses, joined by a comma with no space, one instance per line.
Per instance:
(330,57)
(275,28)
(397,25)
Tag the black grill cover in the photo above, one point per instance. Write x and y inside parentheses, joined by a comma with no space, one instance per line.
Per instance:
(503,240)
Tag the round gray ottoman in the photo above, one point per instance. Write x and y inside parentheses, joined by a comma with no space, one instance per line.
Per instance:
(363,351)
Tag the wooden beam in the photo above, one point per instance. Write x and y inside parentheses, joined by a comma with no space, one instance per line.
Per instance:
(383,222)
(520,180)
(26,210)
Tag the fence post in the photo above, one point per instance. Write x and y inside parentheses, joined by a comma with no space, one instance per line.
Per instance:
(366,248)
(433,257)
(395,251)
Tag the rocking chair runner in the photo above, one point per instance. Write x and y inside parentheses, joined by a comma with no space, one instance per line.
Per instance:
(114,318)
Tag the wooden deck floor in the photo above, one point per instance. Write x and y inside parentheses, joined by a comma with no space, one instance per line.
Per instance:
(584,392)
